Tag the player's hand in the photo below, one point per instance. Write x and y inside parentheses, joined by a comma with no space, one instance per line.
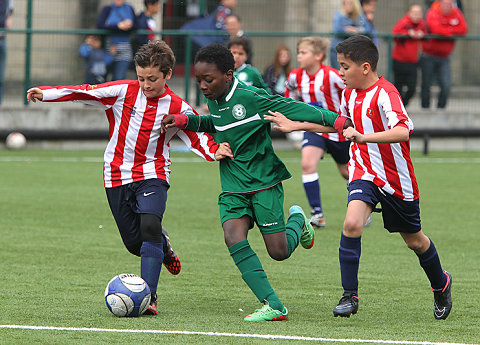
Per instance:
(125,25)
(223,151)
(167,122)
(282,124)
(33,94)
(353,135)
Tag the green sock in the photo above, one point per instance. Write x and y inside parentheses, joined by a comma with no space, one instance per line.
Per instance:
(253,273)
(293,230)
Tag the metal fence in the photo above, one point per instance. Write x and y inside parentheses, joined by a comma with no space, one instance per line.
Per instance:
(43,43)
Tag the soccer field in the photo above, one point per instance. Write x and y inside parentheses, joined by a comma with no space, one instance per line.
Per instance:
(60,247)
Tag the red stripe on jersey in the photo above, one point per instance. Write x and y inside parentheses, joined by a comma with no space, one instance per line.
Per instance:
(406,153)
(311,88)
(143,139)
(130,96)
(111,122)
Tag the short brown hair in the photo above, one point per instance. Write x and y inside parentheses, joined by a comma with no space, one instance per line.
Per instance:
(155,54)
(359,49)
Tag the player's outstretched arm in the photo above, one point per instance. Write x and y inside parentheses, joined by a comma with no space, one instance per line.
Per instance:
(34,93)
(397,134)
(223,151)
(283,124)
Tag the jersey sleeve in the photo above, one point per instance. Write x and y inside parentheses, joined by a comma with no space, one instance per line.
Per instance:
(296,110)
(291,86)
(101,95)
(394,110)
(202,123)
(199,142)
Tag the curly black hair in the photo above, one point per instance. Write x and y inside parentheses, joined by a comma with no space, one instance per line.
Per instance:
(217,54)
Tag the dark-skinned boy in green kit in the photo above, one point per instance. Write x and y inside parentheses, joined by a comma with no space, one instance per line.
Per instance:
(252,181)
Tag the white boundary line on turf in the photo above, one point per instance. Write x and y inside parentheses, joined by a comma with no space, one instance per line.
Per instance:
(475,160)
(219,334)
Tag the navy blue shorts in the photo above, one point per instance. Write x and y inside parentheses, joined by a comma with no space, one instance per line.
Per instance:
(398,215)
(338,149)
(129,201)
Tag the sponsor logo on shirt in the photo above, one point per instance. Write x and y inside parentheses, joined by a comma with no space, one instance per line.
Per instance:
(222,109)
(270,224)
(239,112)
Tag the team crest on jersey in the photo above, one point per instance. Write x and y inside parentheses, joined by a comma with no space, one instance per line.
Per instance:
(239,112)
(370,113)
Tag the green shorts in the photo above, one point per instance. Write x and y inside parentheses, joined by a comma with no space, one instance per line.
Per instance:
(265,208)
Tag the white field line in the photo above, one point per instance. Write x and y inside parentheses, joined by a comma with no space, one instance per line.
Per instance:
(474,160)
(220,334)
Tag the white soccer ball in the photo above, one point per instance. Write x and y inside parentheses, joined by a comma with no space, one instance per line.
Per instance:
(16,141)
(127,295)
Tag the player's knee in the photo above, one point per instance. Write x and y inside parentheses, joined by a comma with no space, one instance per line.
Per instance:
(151,228)
(278,254)
(416,245)
(134,248)
(352,227)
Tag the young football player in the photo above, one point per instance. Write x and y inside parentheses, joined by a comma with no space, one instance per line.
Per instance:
(321,86)
(241,49)
(137,157)
(251,182)
(380,172)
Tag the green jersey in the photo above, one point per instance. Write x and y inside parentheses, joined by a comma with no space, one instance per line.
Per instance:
(237,118)
(251,76)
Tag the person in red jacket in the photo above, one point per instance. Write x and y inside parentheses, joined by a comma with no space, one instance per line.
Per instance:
(406,50)
(443,18)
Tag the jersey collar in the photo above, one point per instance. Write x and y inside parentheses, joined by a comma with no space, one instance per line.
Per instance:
(232,90)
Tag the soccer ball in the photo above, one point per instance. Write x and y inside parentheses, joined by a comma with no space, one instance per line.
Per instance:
(127,295)
(16,141)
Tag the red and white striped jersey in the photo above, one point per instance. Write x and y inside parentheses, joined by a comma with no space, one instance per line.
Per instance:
(324,89)
(136,149)
(377,109)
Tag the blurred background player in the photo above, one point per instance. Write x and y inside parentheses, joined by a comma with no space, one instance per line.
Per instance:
(96,59)
(241,49)
(319,85)
(406,52)
(137,157)
(275,74)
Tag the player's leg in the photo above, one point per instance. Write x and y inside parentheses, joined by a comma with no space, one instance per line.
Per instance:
(427,64)
(361,198)
(150,203)
(444,81)
(440,280)
(237,218)
(410,81)
(313,149)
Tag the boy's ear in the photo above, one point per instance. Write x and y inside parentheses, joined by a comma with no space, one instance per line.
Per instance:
(229,75)
(169,74)
(366,68)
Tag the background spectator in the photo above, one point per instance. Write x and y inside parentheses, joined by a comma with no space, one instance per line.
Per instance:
(347,21)
(6,11)
(406,51)
(443,18)
(234,27)
(96,58)
(213,21)
(119,18)
(145,21)
(275,74)
(368,8)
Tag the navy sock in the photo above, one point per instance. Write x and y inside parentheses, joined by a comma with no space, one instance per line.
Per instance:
(312,189)
(151,263)
(349,256)
(430,263)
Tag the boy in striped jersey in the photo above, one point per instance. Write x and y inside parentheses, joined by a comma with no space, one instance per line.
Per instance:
(319,85)
(380,172)
(137,157)
(251,182)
